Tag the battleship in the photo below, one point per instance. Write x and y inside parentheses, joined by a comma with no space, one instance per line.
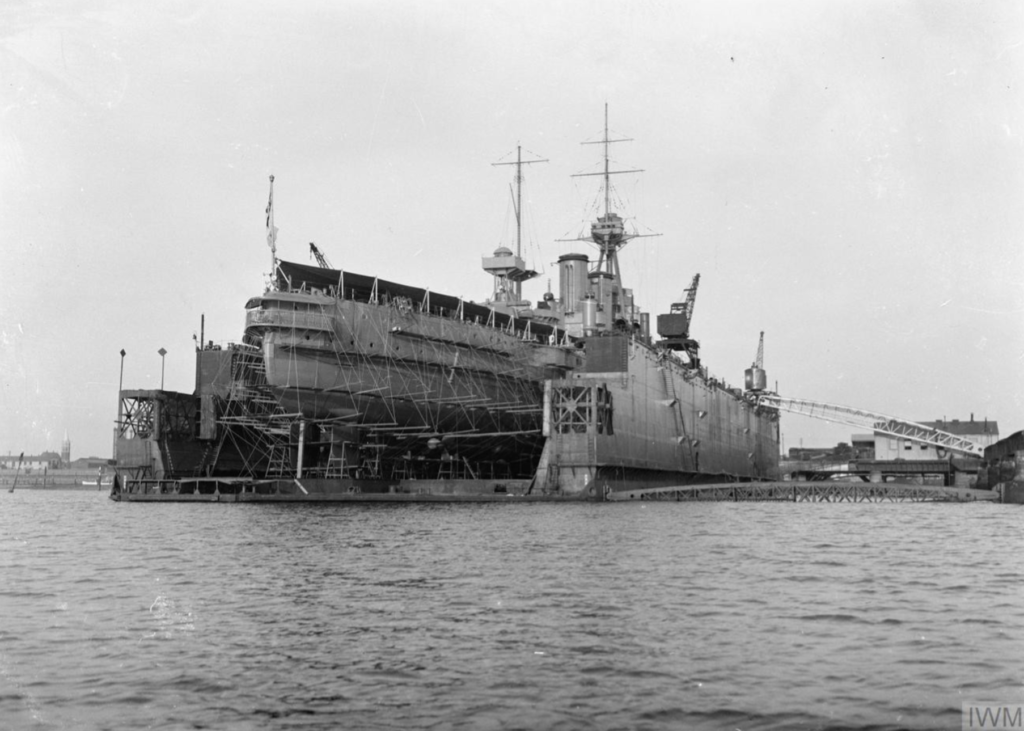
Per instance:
(351,387)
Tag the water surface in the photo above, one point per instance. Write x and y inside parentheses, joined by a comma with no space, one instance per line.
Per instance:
(506,616)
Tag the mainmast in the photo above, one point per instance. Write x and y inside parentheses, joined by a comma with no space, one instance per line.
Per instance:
(517,204)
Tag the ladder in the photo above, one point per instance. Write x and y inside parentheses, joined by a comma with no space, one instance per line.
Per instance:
(676,405)
(677,411)
(337,466)
(280,461)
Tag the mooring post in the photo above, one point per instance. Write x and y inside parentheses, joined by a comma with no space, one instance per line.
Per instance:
(302,446)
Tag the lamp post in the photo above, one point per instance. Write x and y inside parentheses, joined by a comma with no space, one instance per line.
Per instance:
(162,353)
(120,381)
(120,405)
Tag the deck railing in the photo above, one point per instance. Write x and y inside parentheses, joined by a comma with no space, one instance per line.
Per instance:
(286,318)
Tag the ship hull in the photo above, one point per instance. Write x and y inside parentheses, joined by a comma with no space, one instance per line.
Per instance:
(647,419)
(381,364)
(372,390)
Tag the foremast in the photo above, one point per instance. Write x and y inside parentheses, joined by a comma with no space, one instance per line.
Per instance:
(608,232)
(593,300)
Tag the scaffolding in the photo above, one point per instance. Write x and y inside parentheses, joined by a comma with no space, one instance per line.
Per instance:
(404,416)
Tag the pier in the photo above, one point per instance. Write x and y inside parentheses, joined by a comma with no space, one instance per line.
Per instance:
(809,492)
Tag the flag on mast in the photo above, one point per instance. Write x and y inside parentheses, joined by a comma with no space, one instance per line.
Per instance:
(271,228)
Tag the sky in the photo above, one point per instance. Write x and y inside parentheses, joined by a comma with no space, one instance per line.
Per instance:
(845,175)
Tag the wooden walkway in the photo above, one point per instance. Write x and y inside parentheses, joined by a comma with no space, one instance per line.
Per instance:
(808,492)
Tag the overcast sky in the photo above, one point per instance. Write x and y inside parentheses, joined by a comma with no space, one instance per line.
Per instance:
(846,176)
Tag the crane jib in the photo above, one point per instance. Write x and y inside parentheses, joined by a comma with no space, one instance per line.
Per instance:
(888,425)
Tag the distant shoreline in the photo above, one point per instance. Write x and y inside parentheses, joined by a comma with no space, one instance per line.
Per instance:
(56,486)
(56,479)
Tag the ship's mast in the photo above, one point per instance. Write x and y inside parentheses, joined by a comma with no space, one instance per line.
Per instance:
(606,141)
(517,204)
(272,233)
(608,232)
(607,180)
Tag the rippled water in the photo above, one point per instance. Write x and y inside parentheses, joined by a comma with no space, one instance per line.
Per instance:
(634,616)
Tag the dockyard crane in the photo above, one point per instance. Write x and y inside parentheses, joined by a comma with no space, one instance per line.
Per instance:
(675,326)
(756,384)
(686,307)
(888,425)
(320,258)
(756,380)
